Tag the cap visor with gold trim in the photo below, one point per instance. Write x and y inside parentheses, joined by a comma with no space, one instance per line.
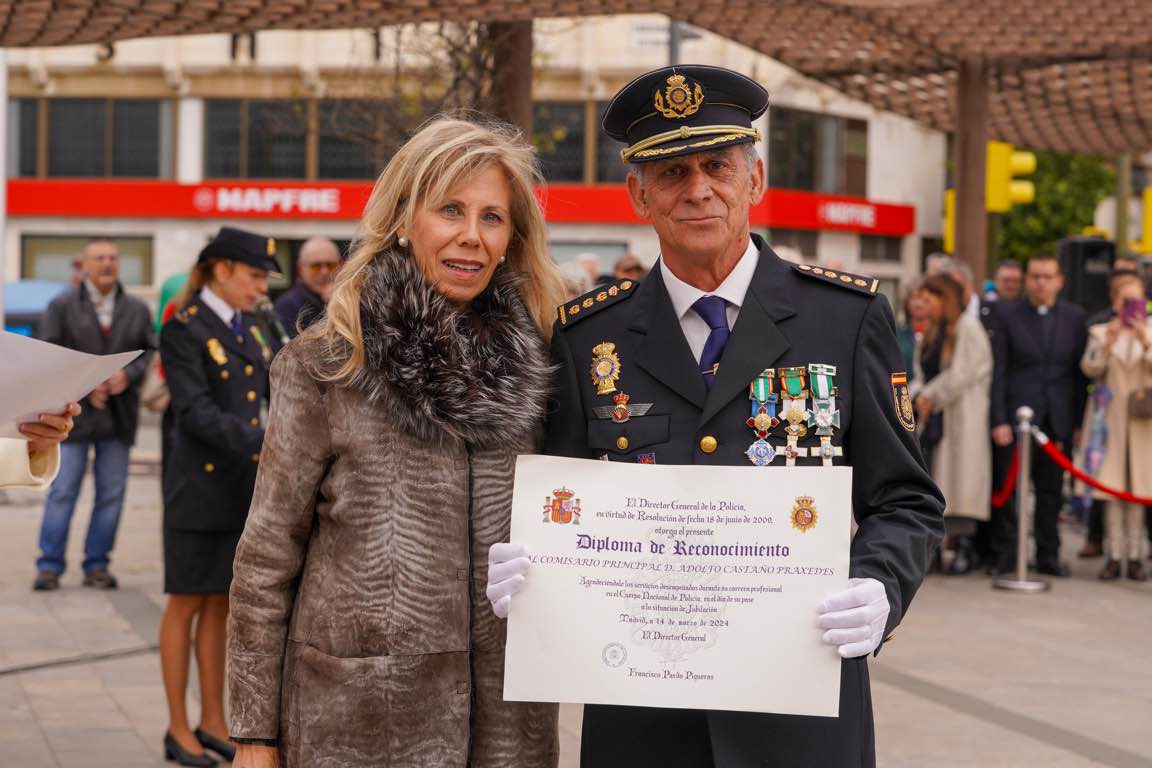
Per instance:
(679,110)
(248,247)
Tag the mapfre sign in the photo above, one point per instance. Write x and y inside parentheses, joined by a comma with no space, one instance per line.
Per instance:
(166,199)
(563,203)
(285,201)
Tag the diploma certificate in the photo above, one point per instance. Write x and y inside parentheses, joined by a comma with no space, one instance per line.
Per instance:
(677,586)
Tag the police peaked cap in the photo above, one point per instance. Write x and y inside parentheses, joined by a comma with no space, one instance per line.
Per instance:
(679,110)
(247,247)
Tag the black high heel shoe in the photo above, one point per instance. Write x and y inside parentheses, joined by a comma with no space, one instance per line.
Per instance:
(175,753)
(222,748)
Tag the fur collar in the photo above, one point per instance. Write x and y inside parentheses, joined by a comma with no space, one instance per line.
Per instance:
(478,374)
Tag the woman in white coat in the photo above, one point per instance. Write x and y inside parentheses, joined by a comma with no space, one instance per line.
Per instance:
(961,460)
(34,461)
(1119,355)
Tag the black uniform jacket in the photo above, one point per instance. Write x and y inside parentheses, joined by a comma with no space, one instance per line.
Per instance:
(791,316)
(218,382)
(1039,367)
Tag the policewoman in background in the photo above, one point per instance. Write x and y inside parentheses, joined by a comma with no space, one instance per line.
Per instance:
(216,357)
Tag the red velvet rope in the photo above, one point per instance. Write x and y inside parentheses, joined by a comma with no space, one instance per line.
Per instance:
(1063,461)
(1004,495)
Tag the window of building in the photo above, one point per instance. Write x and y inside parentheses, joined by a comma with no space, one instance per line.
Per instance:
(87,138)
(23,137)
(297,139)
(792,149)
(262,139)
(610,169)
(558,133)
(76,137)
(277,134)
(140,135)
(878,248)
(223,144)
(91,138)
(802,241)
(350,133)
(819,153)
(50,257)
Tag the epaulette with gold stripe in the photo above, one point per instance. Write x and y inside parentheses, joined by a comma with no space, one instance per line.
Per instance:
(858,283)
(186,313)
(595,300)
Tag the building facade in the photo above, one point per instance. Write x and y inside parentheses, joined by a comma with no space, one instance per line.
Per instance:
(159,142)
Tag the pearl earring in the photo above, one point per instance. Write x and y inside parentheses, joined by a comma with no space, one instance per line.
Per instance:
(402,241)
(503,259)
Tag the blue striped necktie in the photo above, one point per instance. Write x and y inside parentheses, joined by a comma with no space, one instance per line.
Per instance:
(713,310)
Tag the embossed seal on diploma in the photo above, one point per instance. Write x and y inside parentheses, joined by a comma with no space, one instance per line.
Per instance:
(614,654)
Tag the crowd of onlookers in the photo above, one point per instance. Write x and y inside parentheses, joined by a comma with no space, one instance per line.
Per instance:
(976,359)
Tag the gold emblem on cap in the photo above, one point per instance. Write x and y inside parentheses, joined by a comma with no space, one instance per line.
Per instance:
(271,247)
(678,101)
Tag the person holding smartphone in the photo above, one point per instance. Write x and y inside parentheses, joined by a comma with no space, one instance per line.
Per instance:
(1119,357)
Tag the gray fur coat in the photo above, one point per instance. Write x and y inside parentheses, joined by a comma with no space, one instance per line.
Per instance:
(359,633)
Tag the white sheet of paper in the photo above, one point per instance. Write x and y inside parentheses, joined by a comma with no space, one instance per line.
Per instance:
(42,378)
(618,608)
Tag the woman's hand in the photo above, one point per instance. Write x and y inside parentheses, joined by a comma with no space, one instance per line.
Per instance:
(1113,332)
(50,430)
(256,756)
(924,407)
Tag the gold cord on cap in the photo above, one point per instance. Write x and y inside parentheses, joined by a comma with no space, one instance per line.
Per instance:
(722,132)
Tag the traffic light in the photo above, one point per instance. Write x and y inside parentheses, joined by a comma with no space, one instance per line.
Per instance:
(1001,190)
(949,221)
(1146,241)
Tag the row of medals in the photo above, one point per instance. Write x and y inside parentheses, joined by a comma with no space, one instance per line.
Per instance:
(790,389)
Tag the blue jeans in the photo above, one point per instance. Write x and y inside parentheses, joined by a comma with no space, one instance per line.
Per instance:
(110,472)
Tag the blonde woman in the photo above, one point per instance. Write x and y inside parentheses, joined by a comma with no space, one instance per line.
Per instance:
(1119,355)
(360,633)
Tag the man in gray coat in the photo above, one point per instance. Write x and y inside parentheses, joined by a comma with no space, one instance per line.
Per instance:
(98,317)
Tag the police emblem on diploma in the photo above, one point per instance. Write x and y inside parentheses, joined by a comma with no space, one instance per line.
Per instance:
(677,586)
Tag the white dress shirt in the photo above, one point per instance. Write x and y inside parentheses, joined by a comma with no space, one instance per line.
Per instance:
(732,290)
(222,309)
(104,303)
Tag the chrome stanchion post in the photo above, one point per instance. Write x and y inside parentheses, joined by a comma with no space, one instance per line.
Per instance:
(1020,582)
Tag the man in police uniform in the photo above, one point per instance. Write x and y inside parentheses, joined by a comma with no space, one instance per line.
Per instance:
(727,355)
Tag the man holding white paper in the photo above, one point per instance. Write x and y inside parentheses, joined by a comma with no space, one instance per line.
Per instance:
(725,355)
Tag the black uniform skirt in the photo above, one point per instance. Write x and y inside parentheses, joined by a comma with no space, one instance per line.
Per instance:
(198,562)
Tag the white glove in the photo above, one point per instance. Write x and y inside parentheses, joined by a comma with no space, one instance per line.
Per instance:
(855,618)
(507,564)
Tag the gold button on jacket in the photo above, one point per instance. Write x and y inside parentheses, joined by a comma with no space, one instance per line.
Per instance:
(708,444)
(622,443)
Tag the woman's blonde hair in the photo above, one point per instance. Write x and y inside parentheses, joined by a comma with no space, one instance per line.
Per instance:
(199,276)
(444,153)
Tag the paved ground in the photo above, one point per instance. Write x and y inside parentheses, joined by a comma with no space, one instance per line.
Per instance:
(975,677)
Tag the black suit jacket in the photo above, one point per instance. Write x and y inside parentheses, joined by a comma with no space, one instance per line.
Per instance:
(218,382)
(788,318)
(71,321)
(1038,369)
